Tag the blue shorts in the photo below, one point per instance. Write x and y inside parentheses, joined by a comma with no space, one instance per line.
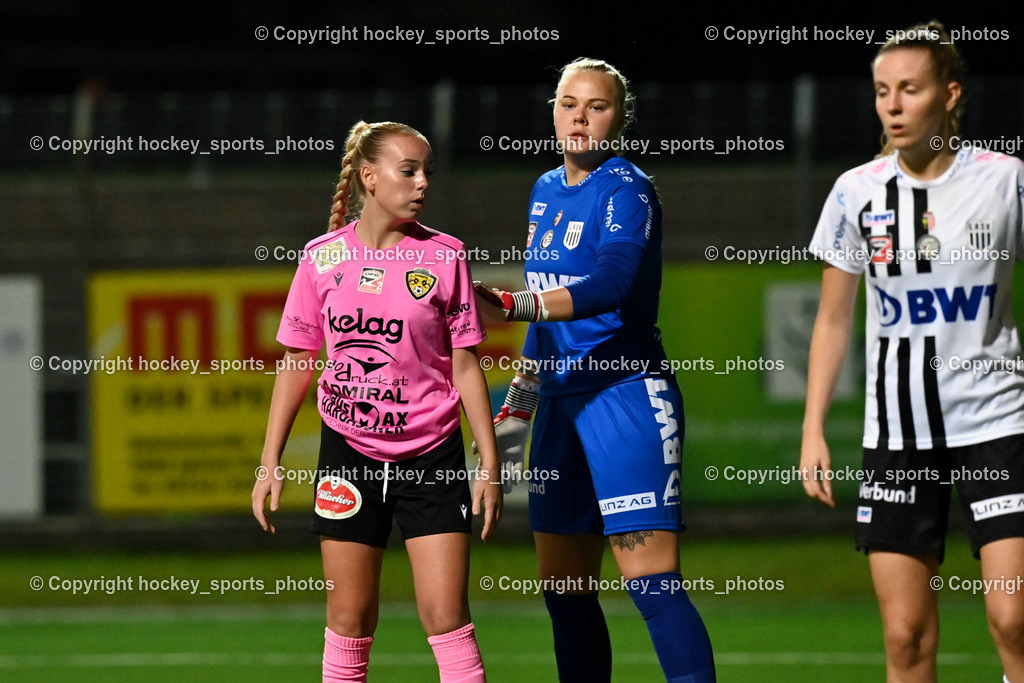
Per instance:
(608,462)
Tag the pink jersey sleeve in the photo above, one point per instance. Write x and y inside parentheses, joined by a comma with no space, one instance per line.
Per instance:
(465,325)
(301,326)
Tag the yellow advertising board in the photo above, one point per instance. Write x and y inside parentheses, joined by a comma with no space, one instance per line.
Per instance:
(182,388)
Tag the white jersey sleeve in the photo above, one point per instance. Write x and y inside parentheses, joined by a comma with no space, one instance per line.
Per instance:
(837,241)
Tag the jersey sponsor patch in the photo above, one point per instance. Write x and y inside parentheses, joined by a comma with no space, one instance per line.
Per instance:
(545,241)
(420,281)
(928,221)
(337,498)
(995,507)
(926,306)
(538,282)
(297,324)
(877,491)
(558,217)
(538,209)
(461,330)
(870,219)
(366,353)
(928,247)
(529,234)
(572,234)
(371,280)
(346,323)
(609,212)
(881,249)
(330,255)
(864,514)
(668,431)
(636,501)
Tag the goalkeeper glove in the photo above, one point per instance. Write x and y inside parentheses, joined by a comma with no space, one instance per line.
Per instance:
(524,306)
(512,428)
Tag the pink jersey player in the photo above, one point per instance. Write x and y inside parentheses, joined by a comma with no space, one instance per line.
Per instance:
(391,318)
(394,302)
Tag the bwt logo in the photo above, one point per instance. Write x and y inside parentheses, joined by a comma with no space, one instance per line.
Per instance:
(871,219)
(538,282)
(924,305)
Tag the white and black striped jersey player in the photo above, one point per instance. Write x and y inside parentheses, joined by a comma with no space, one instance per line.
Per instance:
(942,348)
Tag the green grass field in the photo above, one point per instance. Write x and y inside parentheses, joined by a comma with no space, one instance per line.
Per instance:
(820,625)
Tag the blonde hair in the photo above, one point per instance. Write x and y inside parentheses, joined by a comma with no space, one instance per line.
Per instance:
(947,64)
(625,101)
(364,146)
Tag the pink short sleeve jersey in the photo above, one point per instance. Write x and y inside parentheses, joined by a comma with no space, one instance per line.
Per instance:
(391,318)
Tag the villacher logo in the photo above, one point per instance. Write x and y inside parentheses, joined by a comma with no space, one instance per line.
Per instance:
(337,499)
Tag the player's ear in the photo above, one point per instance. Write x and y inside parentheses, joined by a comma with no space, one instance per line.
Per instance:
(952,95)
(369,177)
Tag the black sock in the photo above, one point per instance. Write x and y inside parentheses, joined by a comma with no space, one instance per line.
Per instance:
(582,647)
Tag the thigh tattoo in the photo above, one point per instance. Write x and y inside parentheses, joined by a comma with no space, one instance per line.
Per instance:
(630,539)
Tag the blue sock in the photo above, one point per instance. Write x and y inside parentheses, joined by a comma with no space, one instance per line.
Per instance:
(676,628)
(582,647)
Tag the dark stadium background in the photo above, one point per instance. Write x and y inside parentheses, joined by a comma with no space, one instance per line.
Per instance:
(48,46)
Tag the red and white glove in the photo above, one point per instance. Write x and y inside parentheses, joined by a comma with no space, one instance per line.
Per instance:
(524,306)
(512,429)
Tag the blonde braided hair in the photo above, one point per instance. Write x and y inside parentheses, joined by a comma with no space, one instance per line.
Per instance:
(364,145)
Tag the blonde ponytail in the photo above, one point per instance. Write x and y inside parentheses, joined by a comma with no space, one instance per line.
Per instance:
(363,146)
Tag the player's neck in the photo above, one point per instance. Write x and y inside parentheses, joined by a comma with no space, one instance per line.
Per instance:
(380,231)
(927,164)
(579,166)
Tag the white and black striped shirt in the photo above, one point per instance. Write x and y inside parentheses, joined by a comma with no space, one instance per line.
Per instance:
(944,366)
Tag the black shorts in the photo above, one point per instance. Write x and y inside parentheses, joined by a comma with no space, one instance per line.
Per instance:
(903,502)
(356,497)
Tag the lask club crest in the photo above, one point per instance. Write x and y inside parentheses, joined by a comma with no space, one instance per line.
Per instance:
(420,281)
(979,234)
(572,234)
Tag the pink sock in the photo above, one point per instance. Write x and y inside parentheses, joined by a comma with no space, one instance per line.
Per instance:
(345,659)
(458,656)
